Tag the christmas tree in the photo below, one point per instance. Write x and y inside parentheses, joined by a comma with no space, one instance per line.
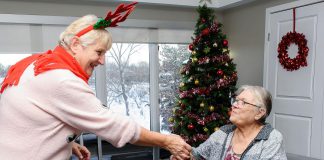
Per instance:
(207,83)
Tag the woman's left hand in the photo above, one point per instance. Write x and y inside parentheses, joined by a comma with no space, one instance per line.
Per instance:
(80,151)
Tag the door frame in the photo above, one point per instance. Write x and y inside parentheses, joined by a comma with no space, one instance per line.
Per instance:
(269,11)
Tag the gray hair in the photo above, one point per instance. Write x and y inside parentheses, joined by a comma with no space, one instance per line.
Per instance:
(88,38)
(262,98)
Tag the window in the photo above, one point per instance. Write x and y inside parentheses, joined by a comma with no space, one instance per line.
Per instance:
(127,77)
(171,58)
(92,81)
(128,87)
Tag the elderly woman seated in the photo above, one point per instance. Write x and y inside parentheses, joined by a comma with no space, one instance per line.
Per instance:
(248,137)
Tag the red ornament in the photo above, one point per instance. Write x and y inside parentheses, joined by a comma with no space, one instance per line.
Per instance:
(235,75)
(225,43)
(203,20)
(220,72)
(178,112)
(190,47)
(183,106)
(207,92)
(205,32)
(291,64)
(191,126)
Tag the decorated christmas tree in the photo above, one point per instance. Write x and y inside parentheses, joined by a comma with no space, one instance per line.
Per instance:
(207,84)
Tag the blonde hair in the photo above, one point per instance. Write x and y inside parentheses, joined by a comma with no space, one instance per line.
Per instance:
(88,38)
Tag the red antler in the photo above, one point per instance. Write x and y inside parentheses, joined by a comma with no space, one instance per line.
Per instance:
(116,17)
(111,19)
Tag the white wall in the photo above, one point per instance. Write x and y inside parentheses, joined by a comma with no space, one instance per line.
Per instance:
(245,29)
(79,8)
(187,16)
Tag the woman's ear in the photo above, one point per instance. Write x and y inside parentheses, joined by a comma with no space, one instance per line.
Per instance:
(75,46)
(261,113)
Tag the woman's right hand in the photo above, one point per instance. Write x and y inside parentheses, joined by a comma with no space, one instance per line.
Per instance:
(171,142)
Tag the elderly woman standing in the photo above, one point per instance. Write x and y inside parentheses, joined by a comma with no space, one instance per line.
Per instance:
(249,137)
(46,101)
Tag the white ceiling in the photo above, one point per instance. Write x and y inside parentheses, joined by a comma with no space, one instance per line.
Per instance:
(216,4)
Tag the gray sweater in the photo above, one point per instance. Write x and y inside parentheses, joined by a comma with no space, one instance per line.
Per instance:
(268,144)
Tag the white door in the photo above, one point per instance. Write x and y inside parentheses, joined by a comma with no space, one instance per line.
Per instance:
(297,95)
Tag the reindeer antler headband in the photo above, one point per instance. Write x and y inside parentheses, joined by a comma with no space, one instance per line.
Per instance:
(111,19)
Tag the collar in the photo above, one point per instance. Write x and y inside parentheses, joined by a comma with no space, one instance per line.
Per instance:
(262,135)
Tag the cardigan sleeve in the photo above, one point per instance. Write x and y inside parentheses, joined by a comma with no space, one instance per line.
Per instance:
(203,150)
(211,148)
(74,103)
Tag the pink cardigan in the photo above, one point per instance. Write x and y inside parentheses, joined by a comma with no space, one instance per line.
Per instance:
(38,116)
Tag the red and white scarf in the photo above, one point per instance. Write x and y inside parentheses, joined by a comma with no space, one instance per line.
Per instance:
(59,58)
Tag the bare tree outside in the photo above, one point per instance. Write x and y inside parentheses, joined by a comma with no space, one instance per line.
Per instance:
(171,57)
(127,83)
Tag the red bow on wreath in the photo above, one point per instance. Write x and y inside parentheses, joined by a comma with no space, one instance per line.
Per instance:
(291,64)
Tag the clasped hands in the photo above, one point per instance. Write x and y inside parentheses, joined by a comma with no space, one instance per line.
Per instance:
(179,149)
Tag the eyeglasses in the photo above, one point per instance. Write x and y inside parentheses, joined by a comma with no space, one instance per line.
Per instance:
(241,102)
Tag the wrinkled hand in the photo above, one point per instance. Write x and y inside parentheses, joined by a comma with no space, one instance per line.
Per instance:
(80,151)
(178,147)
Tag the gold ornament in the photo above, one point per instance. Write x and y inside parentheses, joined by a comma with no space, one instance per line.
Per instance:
(194,60)
(193,52)
(211,108)
(225,50)
(202,104)
(205,129)
(216,129)
(182,84)
(196,82)
(171,120)
(215,45)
